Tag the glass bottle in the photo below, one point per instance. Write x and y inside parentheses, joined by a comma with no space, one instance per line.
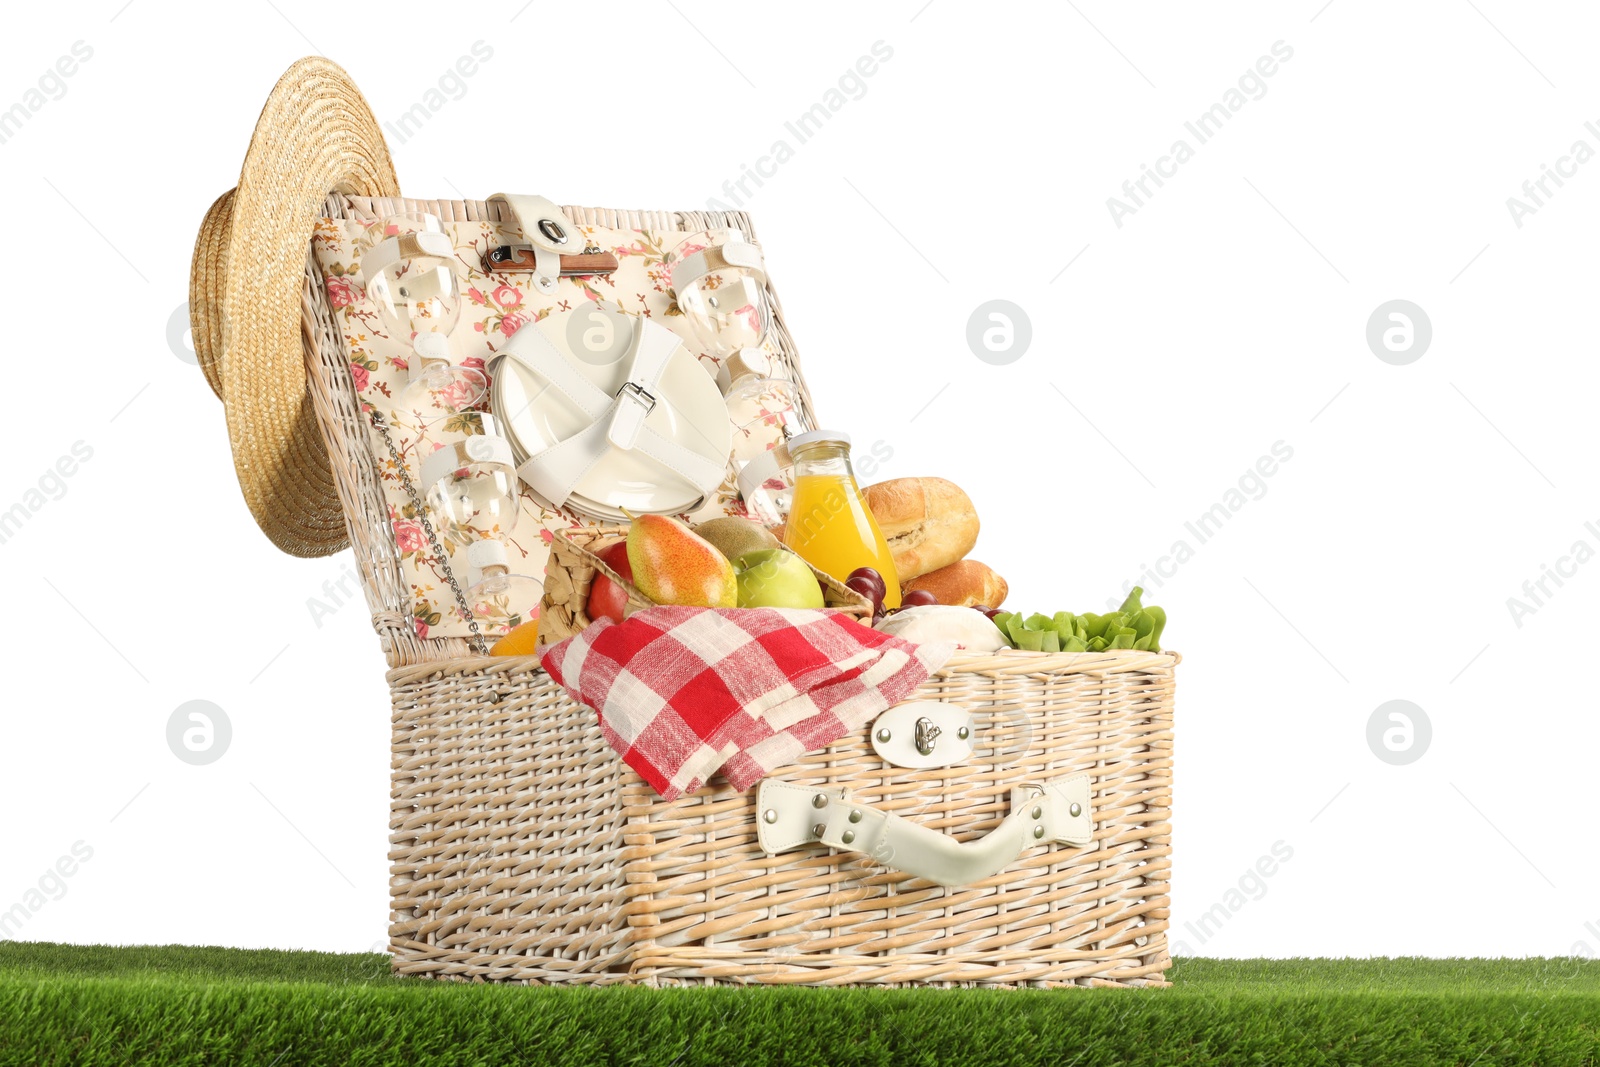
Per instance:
(829,522)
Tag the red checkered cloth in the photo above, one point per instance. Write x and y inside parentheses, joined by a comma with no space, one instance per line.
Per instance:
(682,692)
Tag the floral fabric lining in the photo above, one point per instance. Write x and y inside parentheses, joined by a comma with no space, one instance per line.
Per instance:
(496,306)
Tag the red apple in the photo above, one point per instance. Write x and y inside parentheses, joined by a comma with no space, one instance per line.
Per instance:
(607,599)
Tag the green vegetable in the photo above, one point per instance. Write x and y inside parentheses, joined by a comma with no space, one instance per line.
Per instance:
(1131,626)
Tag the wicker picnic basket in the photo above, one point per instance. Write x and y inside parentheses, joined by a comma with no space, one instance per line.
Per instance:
(523,849)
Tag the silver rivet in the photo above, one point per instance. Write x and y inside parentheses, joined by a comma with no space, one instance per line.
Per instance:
(1038,831)
(1038,812)
(820,800)
(816,831)
(883,735)
(1075,811)
(855,814)
(963,733)
(848,836)
(769,816)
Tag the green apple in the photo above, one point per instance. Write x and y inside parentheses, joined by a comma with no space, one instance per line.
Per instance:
(776,578)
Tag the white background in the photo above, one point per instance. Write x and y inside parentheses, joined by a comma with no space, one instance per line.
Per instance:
(1227,314)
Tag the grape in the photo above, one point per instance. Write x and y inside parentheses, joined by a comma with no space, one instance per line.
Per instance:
(917,598)
(867,574)
(866,588)
(992,612)
(982,607)
(869,587)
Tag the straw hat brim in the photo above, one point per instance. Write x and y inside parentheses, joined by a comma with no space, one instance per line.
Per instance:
(206,271)
(316,135)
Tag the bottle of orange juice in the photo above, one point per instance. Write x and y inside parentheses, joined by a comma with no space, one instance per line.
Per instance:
(829,524)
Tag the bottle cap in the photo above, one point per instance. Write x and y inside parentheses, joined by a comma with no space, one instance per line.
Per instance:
(803,441)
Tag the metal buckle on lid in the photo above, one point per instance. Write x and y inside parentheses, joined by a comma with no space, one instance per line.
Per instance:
(628,419)
(639,394)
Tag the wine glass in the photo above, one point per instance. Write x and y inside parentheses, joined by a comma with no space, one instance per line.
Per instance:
(497,598)
(470,484)
(720,284)
(765,414)
(409,274)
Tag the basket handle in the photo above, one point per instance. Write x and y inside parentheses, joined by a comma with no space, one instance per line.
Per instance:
(792,816)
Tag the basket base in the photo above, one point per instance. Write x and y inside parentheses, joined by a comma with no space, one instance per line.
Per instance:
(703,967)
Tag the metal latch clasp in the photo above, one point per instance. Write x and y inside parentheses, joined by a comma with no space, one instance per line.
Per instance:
(926,734)
(628,418)
(639,394)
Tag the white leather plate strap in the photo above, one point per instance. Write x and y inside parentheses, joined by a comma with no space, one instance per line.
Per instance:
(791,816)
(548,232)
(554,472)
(647,361)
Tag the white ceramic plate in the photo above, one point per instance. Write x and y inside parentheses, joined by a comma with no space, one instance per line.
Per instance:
(690,412)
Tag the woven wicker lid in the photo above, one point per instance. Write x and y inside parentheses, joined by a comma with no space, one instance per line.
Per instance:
(316,135)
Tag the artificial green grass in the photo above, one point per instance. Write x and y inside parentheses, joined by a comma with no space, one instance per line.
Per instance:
(63,1004)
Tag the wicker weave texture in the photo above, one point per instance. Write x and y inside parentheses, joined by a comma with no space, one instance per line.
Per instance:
(523,849)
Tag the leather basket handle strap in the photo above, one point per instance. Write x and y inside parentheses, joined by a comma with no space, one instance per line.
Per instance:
(792,816)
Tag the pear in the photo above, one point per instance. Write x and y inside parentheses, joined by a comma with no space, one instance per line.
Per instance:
(672,565)
(735,537)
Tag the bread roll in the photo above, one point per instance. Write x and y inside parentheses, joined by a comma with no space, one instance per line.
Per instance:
(928,522)
(967,583)
(940,622)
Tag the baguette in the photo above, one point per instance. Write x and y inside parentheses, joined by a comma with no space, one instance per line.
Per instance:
(966,584)
(929,523)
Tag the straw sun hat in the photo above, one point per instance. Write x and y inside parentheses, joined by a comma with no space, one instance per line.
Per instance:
(316,135)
